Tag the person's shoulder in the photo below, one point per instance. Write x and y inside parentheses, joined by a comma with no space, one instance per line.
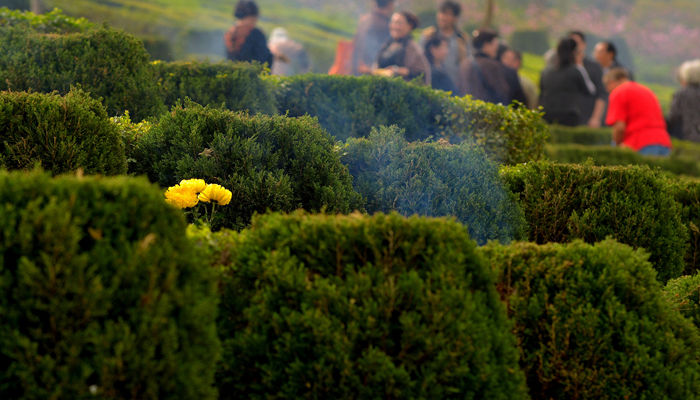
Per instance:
(257,33)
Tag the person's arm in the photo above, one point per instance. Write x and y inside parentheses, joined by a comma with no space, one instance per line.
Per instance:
(597,116)
(619,132)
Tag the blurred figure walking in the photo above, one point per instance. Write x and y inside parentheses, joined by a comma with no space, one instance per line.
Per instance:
(372,33)
(457,41)
(245,42)
(290,58)
(684,120)
(401,55)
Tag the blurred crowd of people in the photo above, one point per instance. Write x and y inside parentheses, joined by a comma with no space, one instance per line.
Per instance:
(573,90)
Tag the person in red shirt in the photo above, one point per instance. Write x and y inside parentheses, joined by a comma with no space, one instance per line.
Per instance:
(635,115)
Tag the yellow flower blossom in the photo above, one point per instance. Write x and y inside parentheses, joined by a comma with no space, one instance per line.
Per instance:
(195,185)
(181,196)
(216,193)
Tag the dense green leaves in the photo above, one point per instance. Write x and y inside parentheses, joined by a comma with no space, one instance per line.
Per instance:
(592,323)
(358,307)
(100,293)
(684,295)
(61,134)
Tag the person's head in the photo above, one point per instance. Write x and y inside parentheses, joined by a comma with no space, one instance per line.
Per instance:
(246,12)
(580,39)
(486,41)
(402,24)
(512,59)
(567,51)
(385,6)
(615,77)
(605,53)
(436,49)
(448,14)
(689,73)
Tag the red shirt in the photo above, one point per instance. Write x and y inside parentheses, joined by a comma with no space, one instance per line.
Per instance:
(638,108)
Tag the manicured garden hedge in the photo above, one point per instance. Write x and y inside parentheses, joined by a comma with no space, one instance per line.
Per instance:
(274,163)
(359,307)
(61,134)
(635,205)
(110,64)
(433,179)
(100,293)
(351,106)
(592,323)
(51,22)
(684,295)
(580,135)
(237,86)
(687,194)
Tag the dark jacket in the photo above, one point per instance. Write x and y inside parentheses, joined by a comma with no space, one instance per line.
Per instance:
(484,79)
(253,48)
(441,81)
(405,53)
(684,120)
(586,104)
(372,34)
(562,90)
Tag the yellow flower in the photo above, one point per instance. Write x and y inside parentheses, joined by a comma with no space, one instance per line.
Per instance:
(195,185)
(216,193)
(181,196)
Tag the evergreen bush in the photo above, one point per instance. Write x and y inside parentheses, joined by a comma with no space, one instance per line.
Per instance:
(351,106)
(687,194)
(100,293)
(592,323)
(634,205)
(55,22)
(109,64)
(267,162)
(237,86)
(560,134)
(684,295)
(359,307)
(433,179)
(61,134)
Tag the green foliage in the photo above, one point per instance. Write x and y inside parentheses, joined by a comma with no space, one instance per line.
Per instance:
(684,295)
(237,86)
(274,163)
(52,22)
(100,293)
(433,179)
(62,134)
(580,135)
(158,48)
(592,323)
(530,41)
(351,106)
(359,307)
(130,133)
(609,155)
(687,194)
(634,205)
(107,63)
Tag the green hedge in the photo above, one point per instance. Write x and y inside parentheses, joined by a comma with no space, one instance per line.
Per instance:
(580,135)
(275,163)
(609,155)
(687,194)
(61,134)
(237,86)
(50,22)
(100,293)
(359,307)
(433,179)
(110,64)
(351,106)
(634,205)
(592,323)
(684,295)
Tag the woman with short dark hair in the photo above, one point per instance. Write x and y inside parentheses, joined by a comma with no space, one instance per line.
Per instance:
(436,51)
(244,41)
(401,55)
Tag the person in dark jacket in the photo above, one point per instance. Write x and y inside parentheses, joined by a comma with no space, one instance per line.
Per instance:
(593,106)
(684,120)
(436,51)
(484,77)
(245,42)
(401,55)
(562,86)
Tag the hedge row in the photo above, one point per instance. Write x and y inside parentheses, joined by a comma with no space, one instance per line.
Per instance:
(592,323)
(101,293)
(635,205)
(687,193)
(433,179)
(61,134)
(51,22)
(350,107)
(359,307)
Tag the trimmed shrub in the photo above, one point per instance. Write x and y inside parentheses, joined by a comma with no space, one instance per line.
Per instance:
(359,307)
(51,22)
(634,205)
(159,48)
(100,293)
(687,194)
(236,86)
(109,64)
(433,179)
(609,155)
(274,163)
(131,132)
(351,106)
(530,41)
(580,135)
(61,134)
(592,323)
(684,295)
